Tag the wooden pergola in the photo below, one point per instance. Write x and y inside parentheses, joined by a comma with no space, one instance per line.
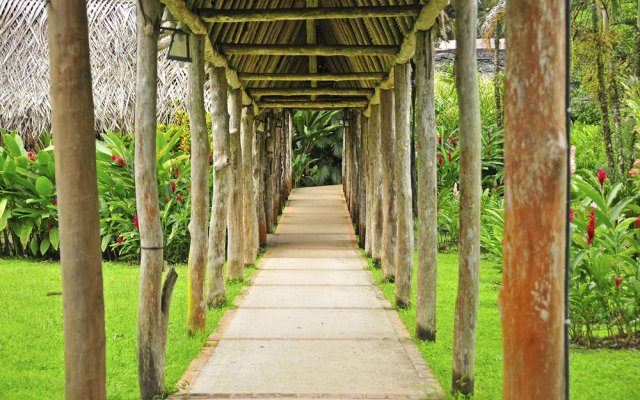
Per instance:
(266,58)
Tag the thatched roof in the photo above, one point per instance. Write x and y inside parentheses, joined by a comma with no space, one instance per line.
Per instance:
(24,67)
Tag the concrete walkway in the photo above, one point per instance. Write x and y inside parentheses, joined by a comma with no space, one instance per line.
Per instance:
(313,324)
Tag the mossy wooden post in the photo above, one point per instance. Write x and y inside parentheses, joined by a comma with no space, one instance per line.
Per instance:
(249,213)
(354,128)
(258,182)
(362,179)
(277,170)
(376,214)
(235,250)
(221,181)
(347,159)
(77,190)
(290,153)
(427,187)
(402,150)
(532,295)
(368,180)
(196,307)
(470,190)
(389,216)
(344,162)
(270,187)
(154,298)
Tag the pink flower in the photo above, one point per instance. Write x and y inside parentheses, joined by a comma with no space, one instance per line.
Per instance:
(439,140)
(440,160)
(454,141)
(179,197)
(136,225)
(120,161)
(572,160)
(54,201)
(119,239)
(618,282)
(31,156)
(571,215)
(177,173)
(495,185)
(591,227)
(602,176)
(173,186)
(634,172)
(449,156)
(114,157)
(638,222)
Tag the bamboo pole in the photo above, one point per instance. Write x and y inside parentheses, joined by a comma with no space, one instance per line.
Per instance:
(376,193)
(221,180)
(235,250)
(307,50)
(249,214)
(532,295)
(389,213)
(285,77)
(470,167)
(154,298)
(77,190)
(402,150)
(296,14)
(427,187)
(196,309)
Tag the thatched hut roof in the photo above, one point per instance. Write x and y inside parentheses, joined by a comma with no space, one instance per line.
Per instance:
(24,68)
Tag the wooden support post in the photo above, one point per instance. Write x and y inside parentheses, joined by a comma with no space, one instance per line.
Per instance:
(404,255)
(154,298)
(249,213)
(270,189)
(426,138)
(361,177)
(196,309)
(290,155)
(354,131)
(470,167)
(235,251)
(389,211)
(221,181)
(376,193)
(532,295)
(344,162)
(258,182)
(77,190)
(277,170)
(368,179)
(347,159)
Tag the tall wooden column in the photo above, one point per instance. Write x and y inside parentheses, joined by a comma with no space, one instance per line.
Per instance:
(235,251)
(426,138)
(368,179)
(258,181)
(249,213)
(376,193)
(532,297)
(404,255)
(361,176)
(389,211)
(270,187)
(77,190)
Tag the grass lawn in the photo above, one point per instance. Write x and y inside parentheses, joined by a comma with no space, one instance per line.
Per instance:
(594,374)
(31,341)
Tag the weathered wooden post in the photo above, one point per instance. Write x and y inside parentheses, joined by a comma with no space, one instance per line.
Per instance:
(376,215)
(77,190)
(368,179)
(277,170)
(249,213)
(221,180)
(354,128)
(470,190)
(258,181)
(427,187)
(347,159)
(361,178)
(290,154)
(196,307)
(532,296)
(270,188)
(235,251)
(404,255)
(389,211)
(154,298)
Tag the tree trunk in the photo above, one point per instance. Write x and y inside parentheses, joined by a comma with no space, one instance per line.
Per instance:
(258,182)
(532,294)
(270,175)
(404,255)
(376,214)
(470,166)
(235,251)
(154,298)
(602,92)
(361,177)
(496,75)
(77,190)
(389,216)
(196,308)
(221,179)
(426,146)
(249,214)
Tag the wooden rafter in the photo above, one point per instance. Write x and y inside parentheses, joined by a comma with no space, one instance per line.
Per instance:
(255,15)
(315,105)
(359,76)
(311,92)
(307,50)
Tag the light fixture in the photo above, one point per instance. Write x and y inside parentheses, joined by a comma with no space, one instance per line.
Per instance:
(179,47)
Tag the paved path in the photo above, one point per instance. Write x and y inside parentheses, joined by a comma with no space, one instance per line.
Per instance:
(313,324)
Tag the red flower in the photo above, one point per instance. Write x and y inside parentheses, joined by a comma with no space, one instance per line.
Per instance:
(618,282)
(179,197)
(177,173)
(602,176)
(173,186)
(119,239)
(449,155)
(136,225)
(440,160)
(489,134)
(495,185)
(31,156)
(114,157)
(638,222)
(120,161)
(54,201)
(439,140)
(571,215)
(591,227)
(453,141)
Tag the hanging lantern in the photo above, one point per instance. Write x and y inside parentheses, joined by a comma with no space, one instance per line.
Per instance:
(179,47)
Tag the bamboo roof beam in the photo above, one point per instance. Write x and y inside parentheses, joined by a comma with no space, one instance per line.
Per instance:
(311,92)
(307,50)
(314,105)
(359,76)
(292,14)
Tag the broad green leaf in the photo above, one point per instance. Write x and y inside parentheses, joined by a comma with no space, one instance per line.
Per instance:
(105,242)
(44,246)
(54,238)
(44,187)
(4,219)
(33,246)
(25,232)
(3,206)
(43,158)
(9,167)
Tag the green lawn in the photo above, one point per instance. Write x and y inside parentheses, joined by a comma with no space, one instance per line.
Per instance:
(595,374)
(31,352)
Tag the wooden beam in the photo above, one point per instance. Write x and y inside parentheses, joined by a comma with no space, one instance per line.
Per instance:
(315,105)
(307,50)
(312,39)
(292,14)
(361,76)
(311,92)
